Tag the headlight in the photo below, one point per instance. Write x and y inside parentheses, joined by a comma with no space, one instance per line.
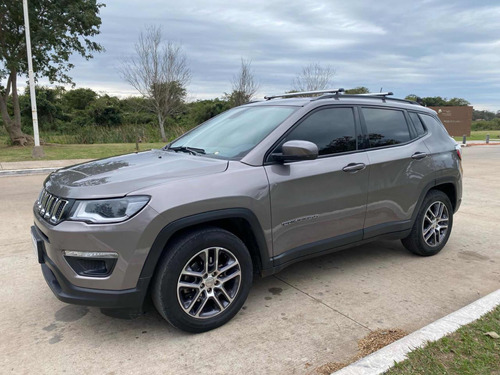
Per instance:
(107,210)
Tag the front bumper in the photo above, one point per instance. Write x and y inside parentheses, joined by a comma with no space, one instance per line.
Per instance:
(131,240)
(128,302)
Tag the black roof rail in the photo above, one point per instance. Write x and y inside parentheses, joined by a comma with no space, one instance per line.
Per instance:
(303,93)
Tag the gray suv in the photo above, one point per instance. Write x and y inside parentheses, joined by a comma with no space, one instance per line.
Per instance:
(248,192)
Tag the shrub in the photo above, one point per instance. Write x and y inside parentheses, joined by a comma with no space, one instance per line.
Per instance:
(204,110)
(486,125)
(106,111)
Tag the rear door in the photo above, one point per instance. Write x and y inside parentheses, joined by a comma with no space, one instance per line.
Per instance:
(400,168)
(318,204)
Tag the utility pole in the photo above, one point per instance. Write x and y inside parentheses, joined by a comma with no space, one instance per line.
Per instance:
(37,150)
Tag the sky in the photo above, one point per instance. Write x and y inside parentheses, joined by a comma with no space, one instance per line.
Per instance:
(425,47)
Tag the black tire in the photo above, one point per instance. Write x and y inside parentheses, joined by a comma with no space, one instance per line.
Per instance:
(167,294)
(415,241)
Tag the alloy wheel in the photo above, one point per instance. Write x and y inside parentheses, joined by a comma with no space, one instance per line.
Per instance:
(209,282)
(435,224)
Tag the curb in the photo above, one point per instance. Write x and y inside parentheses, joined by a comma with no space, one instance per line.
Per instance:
(479,144)
(383,359)
(28,171)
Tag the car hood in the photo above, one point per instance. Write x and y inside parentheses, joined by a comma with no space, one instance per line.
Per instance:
(120,175)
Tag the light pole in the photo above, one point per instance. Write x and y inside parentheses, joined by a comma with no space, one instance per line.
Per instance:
(37,150)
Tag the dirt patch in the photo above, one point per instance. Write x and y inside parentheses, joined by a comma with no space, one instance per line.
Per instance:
(376,340)
(372,342)
(328,368)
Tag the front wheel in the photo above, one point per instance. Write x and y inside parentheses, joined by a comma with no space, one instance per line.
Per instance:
(432,226)
(203,280)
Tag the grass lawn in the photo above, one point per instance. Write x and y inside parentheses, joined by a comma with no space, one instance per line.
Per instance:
(62,151)
(480,135)
(467,351)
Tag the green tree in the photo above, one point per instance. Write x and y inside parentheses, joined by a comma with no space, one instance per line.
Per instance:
(438,101)
(458,102)
(358,90)
(136,111)
(412,97)
(50,109)
(203,110)
(58,29)
(435,101)
(106,111)
(482,115)
(79,99)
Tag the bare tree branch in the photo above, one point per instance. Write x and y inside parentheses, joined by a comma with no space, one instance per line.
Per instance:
(159,72)
(244,86)
(314,77)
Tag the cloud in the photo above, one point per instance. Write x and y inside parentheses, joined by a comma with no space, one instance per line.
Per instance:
(446,48)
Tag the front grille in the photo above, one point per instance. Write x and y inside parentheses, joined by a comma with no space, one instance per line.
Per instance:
(50,207)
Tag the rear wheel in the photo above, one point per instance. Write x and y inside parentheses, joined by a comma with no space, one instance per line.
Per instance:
(203,280)
(432,226)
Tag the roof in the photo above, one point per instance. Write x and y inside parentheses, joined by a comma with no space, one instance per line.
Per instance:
(344,99)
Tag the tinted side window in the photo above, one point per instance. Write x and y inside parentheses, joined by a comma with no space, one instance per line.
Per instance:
(331,129)
(431,123)
(419,127)
(385,126)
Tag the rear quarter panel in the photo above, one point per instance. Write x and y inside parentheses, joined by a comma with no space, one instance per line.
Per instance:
(443,152)
(442,148)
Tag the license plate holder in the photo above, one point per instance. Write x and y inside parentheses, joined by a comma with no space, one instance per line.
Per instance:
(37,245)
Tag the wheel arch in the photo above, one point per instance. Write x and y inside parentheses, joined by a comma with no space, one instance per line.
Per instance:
(450,190)
(240,221)
(447,185)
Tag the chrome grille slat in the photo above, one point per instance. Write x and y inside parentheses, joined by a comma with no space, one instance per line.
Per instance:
(60,211)
(55,208)
(53,204)
(43,202)
(50,207)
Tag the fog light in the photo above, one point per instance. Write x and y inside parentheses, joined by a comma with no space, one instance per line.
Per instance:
(91,263)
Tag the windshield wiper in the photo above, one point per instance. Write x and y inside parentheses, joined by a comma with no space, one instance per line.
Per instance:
(191,150)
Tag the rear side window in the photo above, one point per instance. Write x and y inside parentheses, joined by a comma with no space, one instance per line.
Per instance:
(430,122)
(331,129)
(385,127)
(419,127)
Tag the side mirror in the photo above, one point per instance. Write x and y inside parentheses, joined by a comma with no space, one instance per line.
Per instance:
(297,150)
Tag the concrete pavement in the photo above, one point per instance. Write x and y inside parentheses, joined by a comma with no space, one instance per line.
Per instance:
(309,314)
(383,359)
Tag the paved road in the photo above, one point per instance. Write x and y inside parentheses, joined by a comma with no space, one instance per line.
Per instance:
(311,313)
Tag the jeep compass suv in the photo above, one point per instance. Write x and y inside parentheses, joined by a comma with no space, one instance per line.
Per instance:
(250,191)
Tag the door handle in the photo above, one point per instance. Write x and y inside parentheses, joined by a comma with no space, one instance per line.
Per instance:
(354,167)
(419,155)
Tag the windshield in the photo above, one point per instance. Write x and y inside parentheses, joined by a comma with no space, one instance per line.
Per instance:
(234,133)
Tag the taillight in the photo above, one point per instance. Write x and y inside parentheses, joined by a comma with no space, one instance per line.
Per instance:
(459,152)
